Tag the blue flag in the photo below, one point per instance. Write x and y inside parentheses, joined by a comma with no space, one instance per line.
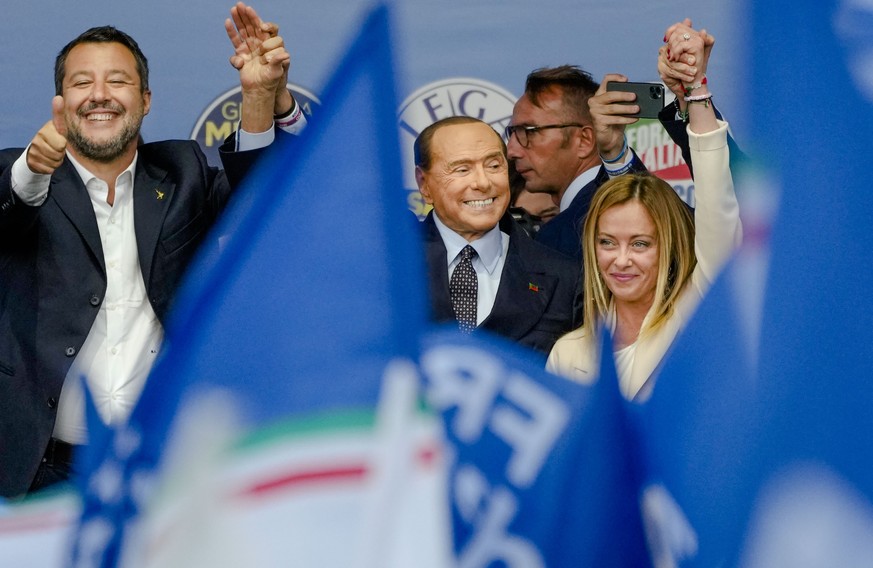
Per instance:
(816,351)
(318,284)
(542,472)
(768,463)
(817,348)
(696,436)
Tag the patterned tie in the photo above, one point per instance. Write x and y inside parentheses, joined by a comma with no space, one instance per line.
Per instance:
(463,288)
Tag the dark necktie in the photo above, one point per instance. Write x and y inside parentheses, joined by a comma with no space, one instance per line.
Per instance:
(463,288)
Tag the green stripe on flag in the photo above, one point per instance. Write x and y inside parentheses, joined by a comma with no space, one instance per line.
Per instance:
(326,423)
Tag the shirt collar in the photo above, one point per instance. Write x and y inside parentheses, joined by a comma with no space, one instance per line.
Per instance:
(489,247)
(125,177)
(576,186)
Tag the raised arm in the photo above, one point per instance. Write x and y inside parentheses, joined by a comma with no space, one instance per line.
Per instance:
(687,56)
(718,231)
(47,149)
(678,69)
(609,118)
(263,63)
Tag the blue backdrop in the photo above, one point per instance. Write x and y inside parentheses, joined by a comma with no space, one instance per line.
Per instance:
(498,41)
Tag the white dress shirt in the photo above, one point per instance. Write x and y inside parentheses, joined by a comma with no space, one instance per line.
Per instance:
(586,177)
(490,257)
(124,340)
(576,186)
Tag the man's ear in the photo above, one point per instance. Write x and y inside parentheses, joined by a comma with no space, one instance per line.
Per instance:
(422,185)
(147,102)
(586,141)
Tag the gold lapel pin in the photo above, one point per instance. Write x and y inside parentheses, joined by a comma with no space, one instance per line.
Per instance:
(160,194)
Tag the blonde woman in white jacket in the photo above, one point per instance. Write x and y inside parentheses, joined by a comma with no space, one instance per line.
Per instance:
(647,263)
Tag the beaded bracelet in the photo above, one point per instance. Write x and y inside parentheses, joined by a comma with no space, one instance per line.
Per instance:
(691,88)
(697,98)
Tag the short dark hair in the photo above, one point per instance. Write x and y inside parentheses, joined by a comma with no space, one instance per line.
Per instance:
(103,34)
(421,147)
(576,87)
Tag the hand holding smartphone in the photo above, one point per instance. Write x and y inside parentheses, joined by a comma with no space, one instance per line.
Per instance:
(650,96)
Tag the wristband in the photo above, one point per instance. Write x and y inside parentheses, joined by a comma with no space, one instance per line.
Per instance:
(697,98)
(288,112)
(620,155)
(289,118)
(621,171)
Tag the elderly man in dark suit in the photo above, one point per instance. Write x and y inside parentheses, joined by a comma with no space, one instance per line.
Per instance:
(95,233)
(485,272)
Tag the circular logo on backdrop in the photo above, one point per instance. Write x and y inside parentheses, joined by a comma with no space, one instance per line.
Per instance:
(459,96)
(219,119)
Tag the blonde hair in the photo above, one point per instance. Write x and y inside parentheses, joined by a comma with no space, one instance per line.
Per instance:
(674,227)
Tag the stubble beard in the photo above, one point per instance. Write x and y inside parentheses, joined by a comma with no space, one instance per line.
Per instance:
(108,150)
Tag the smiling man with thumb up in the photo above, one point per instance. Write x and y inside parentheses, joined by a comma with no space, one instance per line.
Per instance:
(96,229)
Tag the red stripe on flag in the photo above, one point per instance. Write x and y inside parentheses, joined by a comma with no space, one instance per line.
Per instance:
(307,477)
(427,455)
(35,523)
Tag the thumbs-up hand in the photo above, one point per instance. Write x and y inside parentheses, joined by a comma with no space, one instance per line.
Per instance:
(47,148)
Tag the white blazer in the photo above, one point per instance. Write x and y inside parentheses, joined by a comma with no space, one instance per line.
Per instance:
(718,233)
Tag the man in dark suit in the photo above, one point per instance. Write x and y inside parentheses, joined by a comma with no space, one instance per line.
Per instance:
(521,289)
(562,148)
(95,233)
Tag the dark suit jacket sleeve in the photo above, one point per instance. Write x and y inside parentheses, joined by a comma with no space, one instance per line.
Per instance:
(564,232)
(237,165)
(16,217)
(676,129)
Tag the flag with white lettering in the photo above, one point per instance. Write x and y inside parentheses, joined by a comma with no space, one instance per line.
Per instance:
(542,472)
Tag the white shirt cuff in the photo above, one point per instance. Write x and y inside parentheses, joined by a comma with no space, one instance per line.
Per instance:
(622,166)
(31,188)
(253,140)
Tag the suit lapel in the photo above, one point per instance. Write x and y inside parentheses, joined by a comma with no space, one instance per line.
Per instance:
(438,273)
(524,290)
(71,196)
(152,196)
